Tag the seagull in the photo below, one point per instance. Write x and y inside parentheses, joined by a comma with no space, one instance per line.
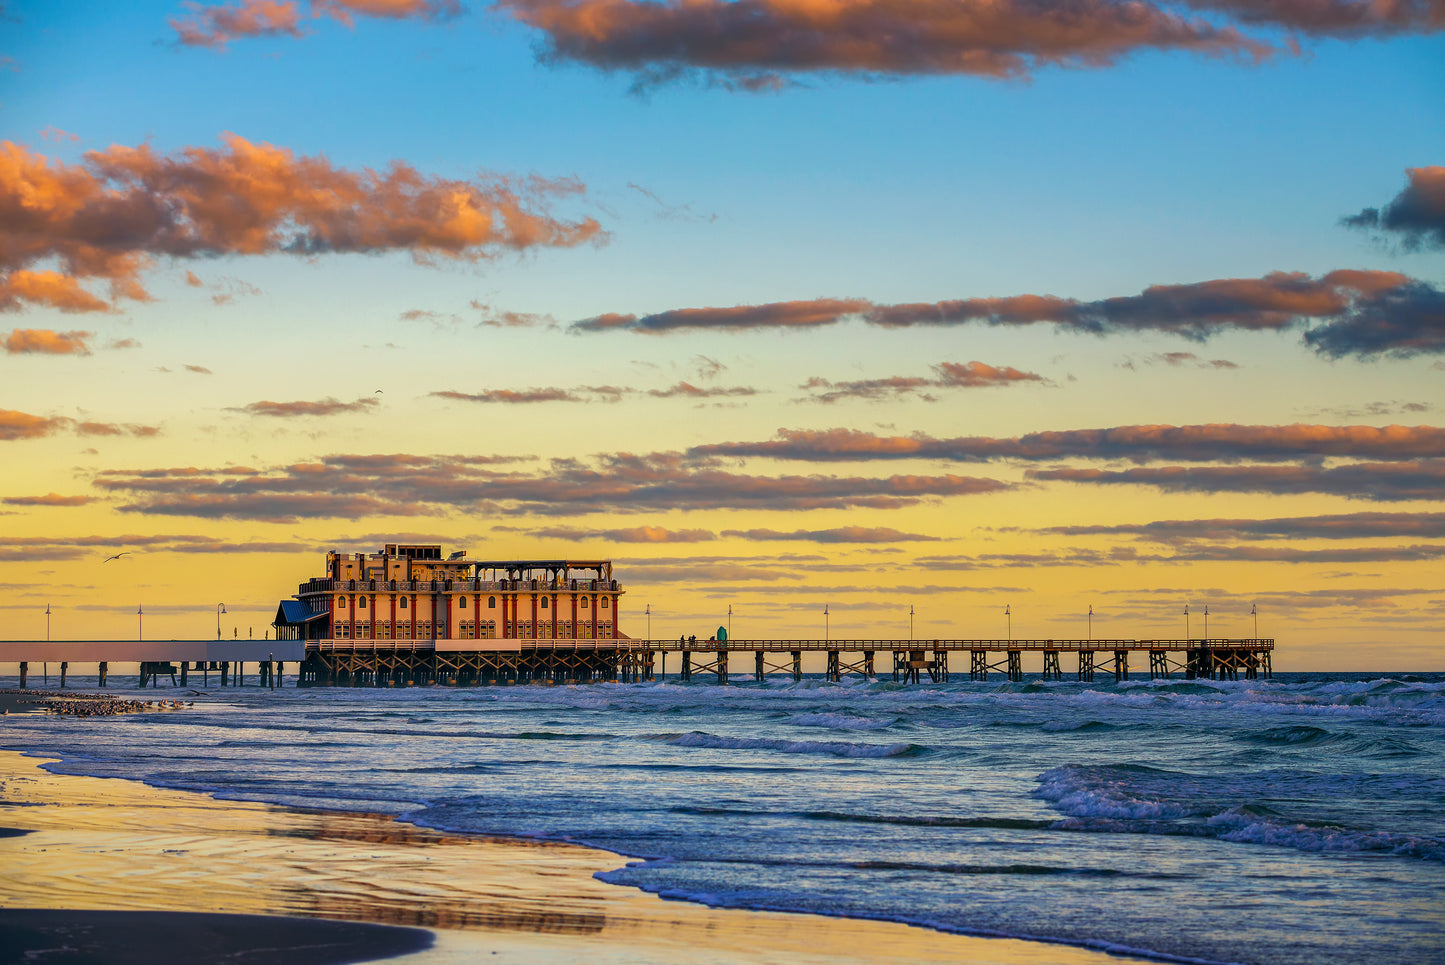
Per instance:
(377,392)
(115,557)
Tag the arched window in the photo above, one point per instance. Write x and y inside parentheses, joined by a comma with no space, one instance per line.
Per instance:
(403,603)
(491,602)
(461,601)
(341,601)
(544,603)
(584,603)
(604,602)
(361,602)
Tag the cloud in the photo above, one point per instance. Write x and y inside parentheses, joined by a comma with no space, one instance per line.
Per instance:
(582,393)
(689,391)
(29,548)
(635,534)
(110,217)
(498,318)
(1334,526)
(947,375)
(352,486)
(1178,359)
(41,341)
(1361,312)
(114,429)
(1140,444)
(49,499)
(199,370)
(216,25)
(327,406)
(52,133)
(842,534)
(1334,18)
(1421,479)
(671,212)
(1416,215)
(760,44)
(122,343)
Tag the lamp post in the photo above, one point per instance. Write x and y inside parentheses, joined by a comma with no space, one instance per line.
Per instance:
(1254,612)
(648,611)
(825,621)
(910,621)
(47,623)
(140,616)
(1186,623)
(1091,621)
(730,621)
(1009,615)
(1206,621)
(220,608)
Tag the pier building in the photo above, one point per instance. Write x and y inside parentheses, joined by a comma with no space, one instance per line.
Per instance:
(410,592)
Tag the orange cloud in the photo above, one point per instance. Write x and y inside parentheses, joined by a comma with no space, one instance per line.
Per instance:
(753,43)
(49,499)
(22,425)
(109,217)
(219,24)
(1367,312)
(45,342)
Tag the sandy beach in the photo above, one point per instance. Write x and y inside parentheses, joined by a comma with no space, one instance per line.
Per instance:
(250,882)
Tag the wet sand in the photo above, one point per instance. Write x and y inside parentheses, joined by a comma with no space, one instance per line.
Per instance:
(99,845)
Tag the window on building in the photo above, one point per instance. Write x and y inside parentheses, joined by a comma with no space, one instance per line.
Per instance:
(544,603)
(604,603)
(584,603)
(361,602)
(403,603)
(492,602)
(461,601)
(341,601)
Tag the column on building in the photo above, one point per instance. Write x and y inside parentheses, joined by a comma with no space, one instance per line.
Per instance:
(616,623)
(554,616)
(534,615)
(574,614)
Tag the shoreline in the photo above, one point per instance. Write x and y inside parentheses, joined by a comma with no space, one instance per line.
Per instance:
(96,845)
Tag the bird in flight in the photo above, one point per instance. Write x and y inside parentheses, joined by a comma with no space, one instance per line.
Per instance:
(115,557)
(377,392)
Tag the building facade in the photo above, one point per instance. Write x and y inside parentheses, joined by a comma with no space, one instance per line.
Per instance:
(409,592)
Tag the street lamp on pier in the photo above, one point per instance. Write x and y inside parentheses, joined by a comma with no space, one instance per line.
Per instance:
(1091,621)
(910,621)
(730,621)
(825,621)
(47,623)
(1009,615)
(220,608)
(648,611)
(1206,621)
(1186,623)
(1254,612)
(140,626)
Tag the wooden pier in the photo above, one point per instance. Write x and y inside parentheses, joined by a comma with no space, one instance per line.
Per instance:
(405,663)
(419,663)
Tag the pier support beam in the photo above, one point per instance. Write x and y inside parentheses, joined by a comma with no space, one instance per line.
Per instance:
(64,667)
(1086,665)
(687,665)
(1015,665)
(24,672)
(103,672)
(978,665)
(1121,665)
(833,673)
(1051,666)
(797,665)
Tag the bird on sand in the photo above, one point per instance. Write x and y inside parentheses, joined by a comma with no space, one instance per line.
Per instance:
(115,557)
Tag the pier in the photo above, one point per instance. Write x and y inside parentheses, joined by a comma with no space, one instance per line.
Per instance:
(419,663)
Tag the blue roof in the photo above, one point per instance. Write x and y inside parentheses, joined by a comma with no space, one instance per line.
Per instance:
(295,611)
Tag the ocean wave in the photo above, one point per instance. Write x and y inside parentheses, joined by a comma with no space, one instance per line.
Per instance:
(840,721)
(834,748)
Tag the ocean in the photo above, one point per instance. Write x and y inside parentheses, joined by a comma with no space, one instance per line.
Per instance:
(1295,820)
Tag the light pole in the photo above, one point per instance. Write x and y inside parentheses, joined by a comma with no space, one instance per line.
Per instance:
(730,621)
(220,608)
(1091,621)
(47,623)
(910,621)
(825,621)
(1009,614)
(1186,623)
(140,616)
(1206,621)
(649,621)
(1254,612)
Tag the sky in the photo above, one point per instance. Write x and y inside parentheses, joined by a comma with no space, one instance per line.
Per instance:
(910,311)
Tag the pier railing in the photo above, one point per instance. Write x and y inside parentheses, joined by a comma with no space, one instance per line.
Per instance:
(513,645)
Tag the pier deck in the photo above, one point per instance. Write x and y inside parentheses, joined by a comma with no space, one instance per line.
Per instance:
(468,662)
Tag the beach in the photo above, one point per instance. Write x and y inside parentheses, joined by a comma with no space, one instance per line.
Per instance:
(299,884)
